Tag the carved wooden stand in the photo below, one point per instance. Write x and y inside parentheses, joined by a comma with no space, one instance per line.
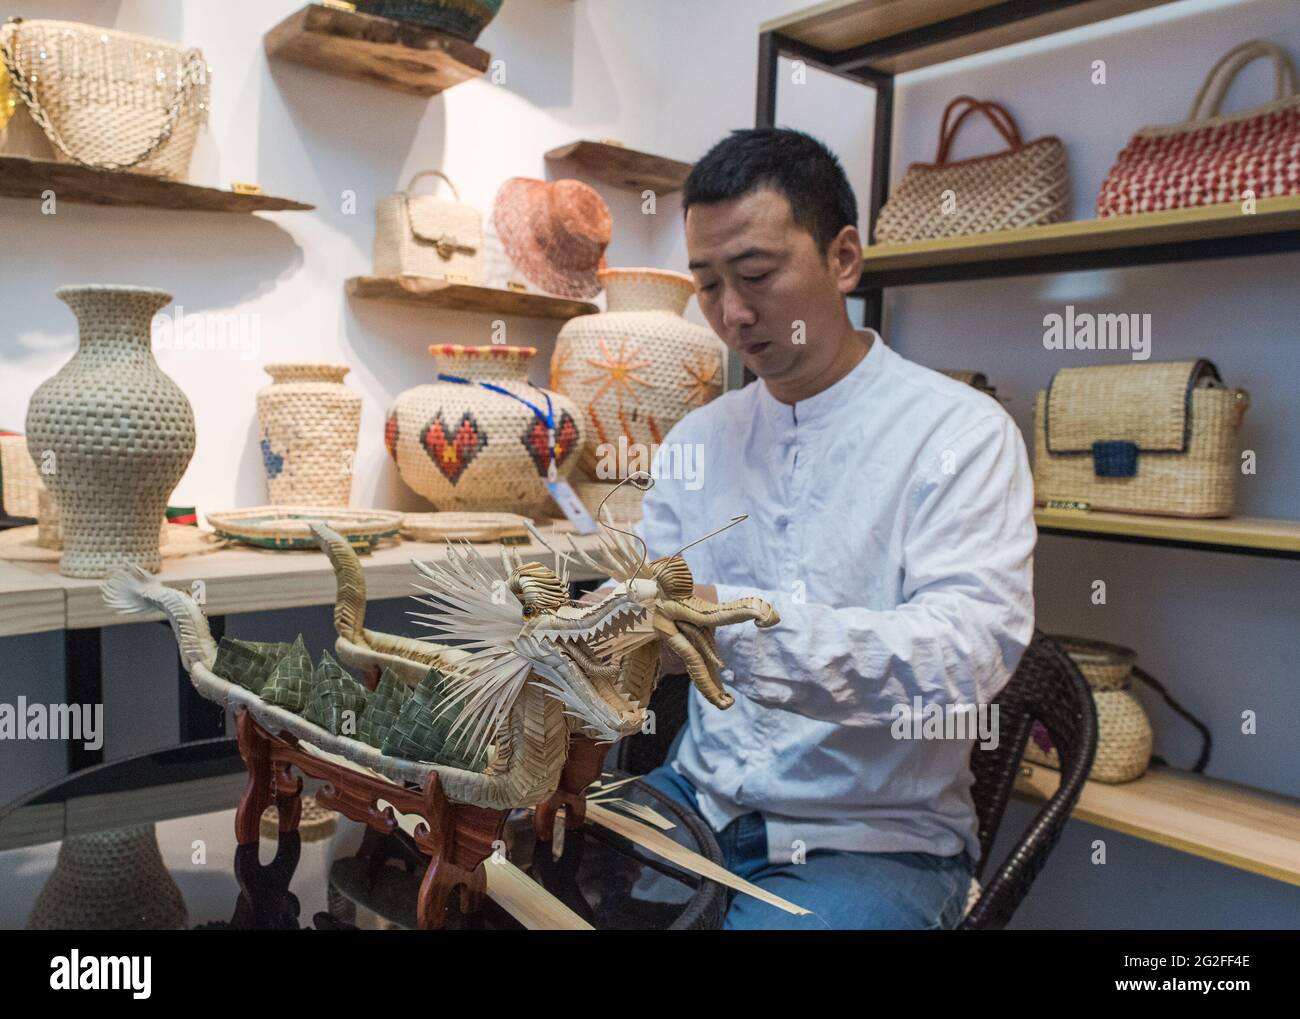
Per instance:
(457,837)
(583,766)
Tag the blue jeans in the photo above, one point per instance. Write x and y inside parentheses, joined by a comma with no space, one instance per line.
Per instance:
(844,890)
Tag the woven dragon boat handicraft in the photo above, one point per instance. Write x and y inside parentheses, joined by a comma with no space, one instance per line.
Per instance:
(519,714)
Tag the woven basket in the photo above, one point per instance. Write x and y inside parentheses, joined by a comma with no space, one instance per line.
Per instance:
(109,99)
(636,369)
(504,527)
(1160,438)
(464,446)
(289,527)
(314,824)
(309,422)
(1212,158)
(462,18)
(1027,185)
(20,481)
(422,235)
(1124,736)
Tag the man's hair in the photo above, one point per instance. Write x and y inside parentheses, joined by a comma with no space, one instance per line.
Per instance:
(791,162)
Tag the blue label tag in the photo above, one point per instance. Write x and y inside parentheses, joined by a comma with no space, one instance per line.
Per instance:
(571,506)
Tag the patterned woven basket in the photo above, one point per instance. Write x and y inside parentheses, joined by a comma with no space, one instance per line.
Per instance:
(309,422)
(481,444)
(20,481)
(1160,437)
(1027,185)
(462,18)
(109,99)
(1212,158)
(1124,736)
(504,527)
(636,369)
(423,235)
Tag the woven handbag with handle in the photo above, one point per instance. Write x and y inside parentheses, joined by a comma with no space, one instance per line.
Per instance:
(107,99)
(1212,158)
(1159,438)
(1027,185)
(423,235)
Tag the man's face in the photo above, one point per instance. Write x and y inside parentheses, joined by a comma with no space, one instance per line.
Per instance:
(758,276)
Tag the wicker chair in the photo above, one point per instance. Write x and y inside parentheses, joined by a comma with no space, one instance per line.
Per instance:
(1046,686)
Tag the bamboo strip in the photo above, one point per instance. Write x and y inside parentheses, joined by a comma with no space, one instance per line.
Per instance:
(662,845)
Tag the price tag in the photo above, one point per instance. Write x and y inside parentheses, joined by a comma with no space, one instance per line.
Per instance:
(571,506)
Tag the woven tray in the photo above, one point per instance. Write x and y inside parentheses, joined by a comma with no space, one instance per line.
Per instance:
(19,544)
(451,526)
(286,527)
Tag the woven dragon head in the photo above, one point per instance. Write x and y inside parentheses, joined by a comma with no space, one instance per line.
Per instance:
(601,661)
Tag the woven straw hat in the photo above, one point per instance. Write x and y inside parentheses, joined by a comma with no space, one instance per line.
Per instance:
(555,232)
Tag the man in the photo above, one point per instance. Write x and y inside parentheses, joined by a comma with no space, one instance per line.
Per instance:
(891,526)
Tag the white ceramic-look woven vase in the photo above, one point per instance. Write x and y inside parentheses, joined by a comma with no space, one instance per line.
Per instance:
(116,433)
(308,422)
(464,447)
(637,368)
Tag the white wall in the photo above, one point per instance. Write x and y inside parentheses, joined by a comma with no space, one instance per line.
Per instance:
(673,76)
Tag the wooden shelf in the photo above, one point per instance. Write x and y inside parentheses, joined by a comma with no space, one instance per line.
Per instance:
(623,167)
(895,36)
(435,293)
(1213,231)
(21,177)
(236,579)
(397,55)
(1233,534)
(1221,821)
(29,602)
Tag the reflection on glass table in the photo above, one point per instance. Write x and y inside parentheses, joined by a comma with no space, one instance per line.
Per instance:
(148,842)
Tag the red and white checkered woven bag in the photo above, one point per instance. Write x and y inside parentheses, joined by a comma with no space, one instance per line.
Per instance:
(1208,158)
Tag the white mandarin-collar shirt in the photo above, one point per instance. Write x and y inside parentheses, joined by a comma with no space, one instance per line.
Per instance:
(891,525)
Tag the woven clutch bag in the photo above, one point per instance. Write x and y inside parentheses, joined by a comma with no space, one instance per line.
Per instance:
(1211,158)
(423,235)
(1159,438)
(1027,185)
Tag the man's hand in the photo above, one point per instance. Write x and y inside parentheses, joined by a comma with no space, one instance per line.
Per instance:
(670,662)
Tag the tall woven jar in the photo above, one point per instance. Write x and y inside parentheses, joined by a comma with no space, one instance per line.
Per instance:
(308,422)
(118,432)
(636,369)
(465,446)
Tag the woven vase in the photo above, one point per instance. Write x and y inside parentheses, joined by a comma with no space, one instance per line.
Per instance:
(464,447)
(308,423)
(1124,735)
(120,433)
(112,880)
(636,369)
